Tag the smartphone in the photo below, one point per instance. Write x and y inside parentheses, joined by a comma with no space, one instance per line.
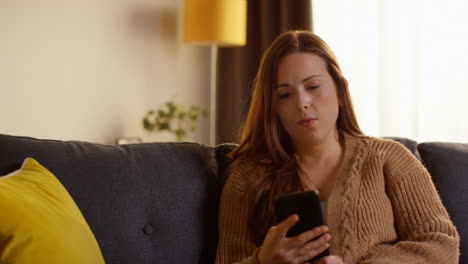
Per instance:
(307,206)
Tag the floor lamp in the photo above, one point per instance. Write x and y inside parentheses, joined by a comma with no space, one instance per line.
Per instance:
(215,23)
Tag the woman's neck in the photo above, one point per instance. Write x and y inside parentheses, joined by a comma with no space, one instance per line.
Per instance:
(319,165)
(323,153)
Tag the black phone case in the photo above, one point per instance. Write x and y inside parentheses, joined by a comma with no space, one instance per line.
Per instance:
(307,206)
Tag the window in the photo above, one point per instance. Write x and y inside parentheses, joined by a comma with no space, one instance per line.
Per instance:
(406,63)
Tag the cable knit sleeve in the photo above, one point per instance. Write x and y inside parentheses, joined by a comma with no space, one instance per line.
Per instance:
(426,233)
(234,244)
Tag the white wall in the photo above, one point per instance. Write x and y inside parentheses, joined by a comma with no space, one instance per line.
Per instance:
(90,69)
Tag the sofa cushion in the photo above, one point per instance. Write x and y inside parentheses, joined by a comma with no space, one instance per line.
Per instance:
(448,165)
(145,203)
(40,222)
(223,160)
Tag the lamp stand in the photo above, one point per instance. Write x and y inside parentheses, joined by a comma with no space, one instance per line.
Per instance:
(213,71)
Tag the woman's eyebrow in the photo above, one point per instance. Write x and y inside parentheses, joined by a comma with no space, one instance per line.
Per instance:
(311,77)
(305,80)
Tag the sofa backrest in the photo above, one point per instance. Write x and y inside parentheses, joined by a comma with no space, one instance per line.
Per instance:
(448,165)
(145,203)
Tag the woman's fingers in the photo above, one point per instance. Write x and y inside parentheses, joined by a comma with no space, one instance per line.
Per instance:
(317,243)
(286,224)
(275,244)
(308,236)
(313,248)
(278,248)
(313,253)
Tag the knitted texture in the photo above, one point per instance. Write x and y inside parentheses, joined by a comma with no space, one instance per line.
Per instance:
(384,208)
(351,185)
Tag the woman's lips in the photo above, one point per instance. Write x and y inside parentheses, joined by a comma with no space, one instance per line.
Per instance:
(307,122)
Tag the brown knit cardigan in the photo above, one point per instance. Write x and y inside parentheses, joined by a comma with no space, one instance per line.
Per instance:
(384,208)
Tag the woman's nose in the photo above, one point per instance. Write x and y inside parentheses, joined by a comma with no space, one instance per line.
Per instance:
(304,101)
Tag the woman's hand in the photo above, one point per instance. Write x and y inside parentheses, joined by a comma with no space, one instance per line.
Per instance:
(277,248)
(329,260)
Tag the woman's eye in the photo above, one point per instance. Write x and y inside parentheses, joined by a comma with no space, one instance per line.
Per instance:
(285,95)
(313,87)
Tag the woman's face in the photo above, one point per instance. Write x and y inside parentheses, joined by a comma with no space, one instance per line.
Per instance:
(307,100)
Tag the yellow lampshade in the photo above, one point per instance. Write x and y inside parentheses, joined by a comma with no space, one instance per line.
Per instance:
(218,22)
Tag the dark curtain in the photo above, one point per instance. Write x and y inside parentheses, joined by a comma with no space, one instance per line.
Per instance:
(236,67)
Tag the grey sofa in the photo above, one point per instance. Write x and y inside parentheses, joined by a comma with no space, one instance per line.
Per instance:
(158,202)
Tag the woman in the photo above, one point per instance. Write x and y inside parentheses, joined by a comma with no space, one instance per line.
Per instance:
(301,134)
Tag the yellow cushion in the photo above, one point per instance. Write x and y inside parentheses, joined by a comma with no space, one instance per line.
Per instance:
(40,222)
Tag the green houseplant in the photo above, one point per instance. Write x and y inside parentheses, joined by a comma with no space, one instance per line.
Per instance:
(174,118)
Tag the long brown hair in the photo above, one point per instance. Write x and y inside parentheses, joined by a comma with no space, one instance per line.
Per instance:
(264,141)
